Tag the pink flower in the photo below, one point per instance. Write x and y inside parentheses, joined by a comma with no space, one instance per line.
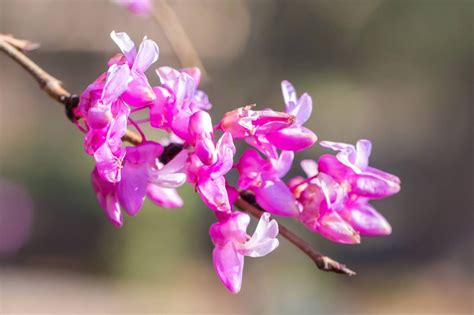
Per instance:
(351,165)
(143,175)
(105,116)
(232,243)
(335,198)
(263,178)
(320,199)
(138,7)
(244,122)
(106,193)
(139,92)
(202,137)
(177,99)
(295,137)
(209,179)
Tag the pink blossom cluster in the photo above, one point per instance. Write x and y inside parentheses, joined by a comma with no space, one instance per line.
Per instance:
(332,200)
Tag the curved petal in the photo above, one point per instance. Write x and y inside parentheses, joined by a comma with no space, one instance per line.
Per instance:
(116,83)
(106,194)
(125,44)
(264,240)
(303,110)
(310,167)
(363,148)
(284,162)
(292,139)
(108,164)
(229,266)
(132,187)
(289,95)
(164,197)
(147,54)
(194,72)
(366,220)
(275,197)
(330,165)
(214,193)
(333,227)
(373,187)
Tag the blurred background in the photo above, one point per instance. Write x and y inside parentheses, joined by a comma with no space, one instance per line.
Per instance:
(393,71)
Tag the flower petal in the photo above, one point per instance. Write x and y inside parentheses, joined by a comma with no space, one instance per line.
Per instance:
(229,266)
(275,197)
(164,197)
(333,227)
(147,54)
(264,240)
(365,219)
(289,95)
(292,139)
(214,193)
(116,83)
(310,167)
(125,44)
(132,188)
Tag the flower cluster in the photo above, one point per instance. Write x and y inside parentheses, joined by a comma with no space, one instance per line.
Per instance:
(332,200)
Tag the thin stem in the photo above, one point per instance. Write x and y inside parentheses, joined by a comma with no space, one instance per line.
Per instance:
(137,127)
(54,88)
(174,31)
(142,121)
(322,261)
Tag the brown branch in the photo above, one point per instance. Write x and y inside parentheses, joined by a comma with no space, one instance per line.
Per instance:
(323,262)
(54,88)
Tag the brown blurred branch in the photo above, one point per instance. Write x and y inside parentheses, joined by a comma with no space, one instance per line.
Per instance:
(174,31)
(54,88)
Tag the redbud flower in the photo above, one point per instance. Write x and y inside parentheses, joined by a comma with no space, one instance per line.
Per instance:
(295,137)
(142,169)
(202,137)
(244,122)
(176,100)
(139,92)
(106,193)
(351,165)
(262,177)
(209,179)
(232,243)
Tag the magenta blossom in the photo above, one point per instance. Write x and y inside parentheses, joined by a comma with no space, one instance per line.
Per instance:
(177,99)
(244,122)
(105,116)
(201,135)
(143,175)
(106,193)
(209,179)
(232,243)
(263,178)
(351,165)
(331,206)
(317,198)
(139,92)
(138,7)
(295,137)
